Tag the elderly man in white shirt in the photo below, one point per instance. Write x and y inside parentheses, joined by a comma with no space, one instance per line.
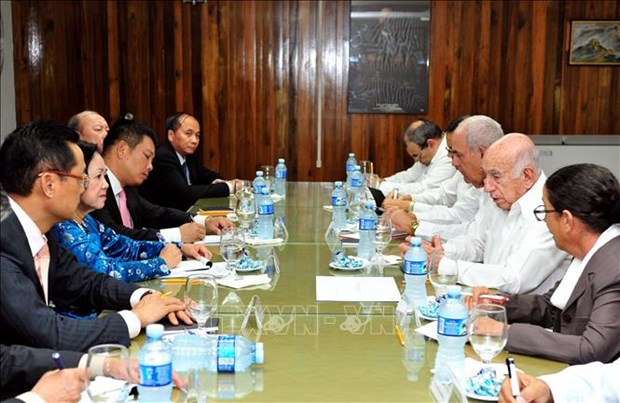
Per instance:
(517,251)
(449,209)
(426,144)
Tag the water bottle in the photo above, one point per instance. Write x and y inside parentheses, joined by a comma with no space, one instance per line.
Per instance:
(259,183)
(414,268)
(367,227)
(155,367)
(339,207)
(414,354)
(351,163)
(265,215)
(451,335)
(280,182)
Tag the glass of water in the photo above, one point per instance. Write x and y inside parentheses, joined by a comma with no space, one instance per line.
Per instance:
(201,298)
(232,245)
(383,236)
(488,331)
(108,368)
(440,282)
(246,211)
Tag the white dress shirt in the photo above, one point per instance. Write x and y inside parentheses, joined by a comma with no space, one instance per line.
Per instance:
(421,177)
(518,252)
(593,382)
(455,201)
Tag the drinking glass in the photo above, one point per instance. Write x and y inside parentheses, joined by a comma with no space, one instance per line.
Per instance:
(201,298)
(488,331)
(367,168)
(383,235)
(113,384)
(243,189)
(440,282)
(269,175)
(232,244)
(246,211)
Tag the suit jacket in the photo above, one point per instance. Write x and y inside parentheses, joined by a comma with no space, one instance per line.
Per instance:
(21,367)
(588,329)
(26,319)
(167,186)
(147,217)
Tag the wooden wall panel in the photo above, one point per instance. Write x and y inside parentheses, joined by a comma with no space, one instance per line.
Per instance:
(253,72)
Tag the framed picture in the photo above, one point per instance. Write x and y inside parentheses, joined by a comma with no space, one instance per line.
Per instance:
(595,43)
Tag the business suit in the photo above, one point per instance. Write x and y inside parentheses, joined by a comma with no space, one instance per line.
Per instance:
(147,217)
(26,318)
(588,329)
(167,185)
(22,366)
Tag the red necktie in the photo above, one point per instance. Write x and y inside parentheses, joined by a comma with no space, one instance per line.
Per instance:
(125,216)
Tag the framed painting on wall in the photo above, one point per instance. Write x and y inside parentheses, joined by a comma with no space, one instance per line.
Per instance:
(595,43)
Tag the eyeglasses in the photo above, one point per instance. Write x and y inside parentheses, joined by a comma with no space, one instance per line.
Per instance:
(84,179)
(541,213)
(452,152)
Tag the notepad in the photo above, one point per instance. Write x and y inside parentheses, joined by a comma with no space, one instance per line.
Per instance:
(357,289)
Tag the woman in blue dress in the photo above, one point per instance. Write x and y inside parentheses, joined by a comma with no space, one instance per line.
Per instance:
(105,251)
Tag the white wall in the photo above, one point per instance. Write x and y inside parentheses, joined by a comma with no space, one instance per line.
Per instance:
(7,79)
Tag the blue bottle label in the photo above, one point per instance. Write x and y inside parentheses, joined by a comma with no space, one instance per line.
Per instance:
(367,224)
(281,174)
(258,189)
(350,166)
(339,201)
(451,327)
(356,182)
(265,209)
(226,353)
(414,267)
(155,375)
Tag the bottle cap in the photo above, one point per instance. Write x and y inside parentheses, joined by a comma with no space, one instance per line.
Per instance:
(259,173)
(351,154)
(369,205)
(264,191)
(454,291)
(281,160)
(155,330)
(357,168)
(338,183)
(416,241)
(259,353)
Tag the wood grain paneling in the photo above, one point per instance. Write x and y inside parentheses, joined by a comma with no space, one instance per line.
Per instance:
(256,72)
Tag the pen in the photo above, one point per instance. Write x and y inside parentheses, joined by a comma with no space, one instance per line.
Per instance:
(166,294)
(512,374)
(58,360)
(496,298)
(395,195)
(399,335)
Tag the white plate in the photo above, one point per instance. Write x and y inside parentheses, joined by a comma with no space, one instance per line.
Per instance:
(338,267)
(471,369)
(249,269)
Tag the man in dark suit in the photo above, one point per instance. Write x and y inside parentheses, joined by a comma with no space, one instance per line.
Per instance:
(43,175)
(128,152)
(178,178)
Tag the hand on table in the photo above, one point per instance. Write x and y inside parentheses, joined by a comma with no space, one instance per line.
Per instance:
(196,251)
(214,225)
(401,220)
(171,255)
(532,390)
(153,307)
(192,232)
(64,385)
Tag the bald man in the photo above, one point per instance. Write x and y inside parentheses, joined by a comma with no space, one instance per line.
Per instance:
(91,127)
(516,251)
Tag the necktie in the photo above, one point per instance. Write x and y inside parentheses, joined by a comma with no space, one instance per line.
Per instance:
(42,264)
(125,216)
(186,172)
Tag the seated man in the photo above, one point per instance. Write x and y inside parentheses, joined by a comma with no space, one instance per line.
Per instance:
(426,144)
(178,178)
(128,151)
(43,175)
(517,251)
(467,143)
(91,127)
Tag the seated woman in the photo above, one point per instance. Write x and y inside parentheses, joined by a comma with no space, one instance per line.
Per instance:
(103,250)
(582,210)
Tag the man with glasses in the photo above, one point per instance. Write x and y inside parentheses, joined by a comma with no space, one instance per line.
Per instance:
(43,175)
(425,143)
(505,247)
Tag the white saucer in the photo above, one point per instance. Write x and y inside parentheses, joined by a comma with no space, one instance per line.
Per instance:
(471,369)
(338,267)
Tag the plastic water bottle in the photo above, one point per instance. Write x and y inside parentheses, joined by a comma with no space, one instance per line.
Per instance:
(351,163)
(265,215)
(231,353)
(155,367)
(280,182)
(357,180)
(367,227)
(451,335)
(414,268)
(259,183)
(339,206)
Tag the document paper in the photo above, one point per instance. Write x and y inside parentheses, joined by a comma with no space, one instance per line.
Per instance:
(357,289)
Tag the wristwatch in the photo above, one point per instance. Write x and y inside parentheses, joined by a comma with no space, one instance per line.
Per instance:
(413,226)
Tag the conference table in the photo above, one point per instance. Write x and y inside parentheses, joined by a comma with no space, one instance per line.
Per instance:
(320,351)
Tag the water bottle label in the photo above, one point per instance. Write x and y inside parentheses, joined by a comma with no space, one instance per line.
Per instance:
(350,166)
(339,201)
(357,182)
(414,267)
(265,209)
(155,375)
(226,353)
(452,327)
(368,224)
(281,174)
(259,188)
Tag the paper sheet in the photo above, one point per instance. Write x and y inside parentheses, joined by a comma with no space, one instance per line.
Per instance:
(210,240)
(428,330)
(244,281)
(357,289)
(187,267)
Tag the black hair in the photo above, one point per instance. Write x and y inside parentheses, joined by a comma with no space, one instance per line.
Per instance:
(31,149)
(590,192)
(420,135)
(129,130)
(174,121)
(454,123)
(88,149)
